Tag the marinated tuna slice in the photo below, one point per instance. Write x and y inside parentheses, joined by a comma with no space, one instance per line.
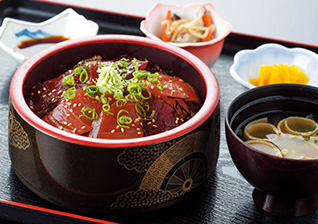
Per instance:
(118,123)
(46,95)
(164,119)
(177,93)
(61,118)
(83,106)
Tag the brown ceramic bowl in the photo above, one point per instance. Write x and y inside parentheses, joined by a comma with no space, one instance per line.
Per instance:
(286,187)
(103,175)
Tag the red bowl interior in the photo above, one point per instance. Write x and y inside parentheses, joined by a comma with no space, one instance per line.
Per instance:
(57,59)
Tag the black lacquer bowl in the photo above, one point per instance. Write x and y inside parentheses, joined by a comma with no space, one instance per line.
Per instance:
(285,187)
(103,175)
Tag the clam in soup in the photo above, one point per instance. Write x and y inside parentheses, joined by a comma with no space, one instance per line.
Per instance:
(293,137)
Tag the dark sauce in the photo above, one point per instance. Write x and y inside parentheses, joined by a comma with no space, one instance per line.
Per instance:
(32,46)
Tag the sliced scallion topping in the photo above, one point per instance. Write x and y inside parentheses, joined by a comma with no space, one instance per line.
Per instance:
(92,90)
(123,63)
(123,120)
(106,108)
(153,77)
(140,74)
(68,80)
(89,113)
(121,103)
(82,72)
(123,74)
(160,86)
(70,93)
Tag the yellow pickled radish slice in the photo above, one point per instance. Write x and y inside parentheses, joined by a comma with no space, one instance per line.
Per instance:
(273,74)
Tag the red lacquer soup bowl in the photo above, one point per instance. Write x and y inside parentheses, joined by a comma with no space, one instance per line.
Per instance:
(282,186)
(112,175)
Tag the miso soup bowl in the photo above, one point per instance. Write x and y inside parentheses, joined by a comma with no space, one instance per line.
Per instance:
(282,186)
(104,175)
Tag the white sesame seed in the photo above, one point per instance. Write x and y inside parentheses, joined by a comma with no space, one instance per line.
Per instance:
(112,131)
(83,127)
(69,124)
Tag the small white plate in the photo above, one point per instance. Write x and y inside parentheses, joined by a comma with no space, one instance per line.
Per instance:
(247,62)
(67,23)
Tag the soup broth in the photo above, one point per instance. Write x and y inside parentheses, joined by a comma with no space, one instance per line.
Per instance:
(289,135)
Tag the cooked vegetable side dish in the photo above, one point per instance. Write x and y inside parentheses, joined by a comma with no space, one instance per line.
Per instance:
(182,30)
(114,99)
(293,137)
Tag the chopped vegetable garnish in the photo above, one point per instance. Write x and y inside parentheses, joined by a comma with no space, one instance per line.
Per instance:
(69,80)
(70,93)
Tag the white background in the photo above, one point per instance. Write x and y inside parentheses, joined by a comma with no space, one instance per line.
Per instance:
(288,20)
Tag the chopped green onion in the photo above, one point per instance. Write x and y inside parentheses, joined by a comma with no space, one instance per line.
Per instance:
(106,108)
(123,120)
(153,77)
(121,103)
(89,113)
(123,62)
(123,74)
(141,111)
(68,80)
(70,93)
(160,86)
(140,74)
(92,90)
(82,71)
